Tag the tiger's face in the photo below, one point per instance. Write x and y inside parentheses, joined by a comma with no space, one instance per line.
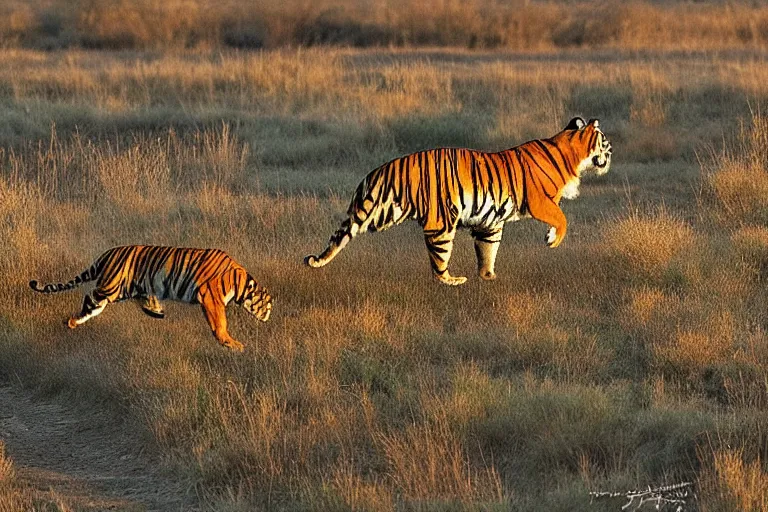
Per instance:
(256,300)
(597,150)
(601,153)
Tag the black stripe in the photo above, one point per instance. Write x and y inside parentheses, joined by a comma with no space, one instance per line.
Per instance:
(543,171)
(509,166)
(400,188)
(523,193)
(551,157)
(459,186)
(497,175)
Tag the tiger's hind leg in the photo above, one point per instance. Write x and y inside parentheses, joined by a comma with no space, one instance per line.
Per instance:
(486,246)
(92,306)
(440,246)
(152,307)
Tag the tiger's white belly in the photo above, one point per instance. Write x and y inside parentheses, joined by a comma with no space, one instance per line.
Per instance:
(162,288)
(489,215)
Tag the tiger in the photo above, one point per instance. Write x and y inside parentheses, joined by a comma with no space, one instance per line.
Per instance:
(447,188)
(148,274)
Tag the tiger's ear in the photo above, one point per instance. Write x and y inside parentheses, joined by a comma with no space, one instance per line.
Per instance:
(594,122)
(576,123)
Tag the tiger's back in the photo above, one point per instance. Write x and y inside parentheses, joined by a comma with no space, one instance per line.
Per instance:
(174,273)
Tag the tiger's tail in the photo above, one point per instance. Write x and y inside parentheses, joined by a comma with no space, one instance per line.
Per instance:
(87,275)
(371,209)
(339,239)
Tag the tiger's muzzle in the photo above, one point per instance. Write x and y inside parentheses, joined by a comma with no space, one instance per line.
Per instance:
(602,161)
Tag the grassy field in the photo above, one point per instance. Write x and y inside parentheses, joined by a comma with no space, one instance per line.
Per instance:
(633,355)
(513,24)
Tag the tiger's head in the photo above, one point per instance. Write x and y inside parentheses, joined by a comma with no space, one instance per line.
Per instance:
(256,300)
(593,148)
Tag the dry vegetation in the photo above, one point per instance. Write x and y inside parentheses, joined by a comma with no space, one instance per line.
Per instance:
(633,355)
(514,24)
(16,496)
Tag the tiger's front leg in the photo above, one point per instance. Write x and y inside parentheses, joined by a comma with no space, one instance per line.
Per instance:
(549,212)
(215,314)
(92,306)
(440,246)
(486,246)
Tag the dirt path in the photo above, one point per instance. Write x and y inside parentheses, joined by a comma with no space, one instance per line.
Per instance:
(83,459)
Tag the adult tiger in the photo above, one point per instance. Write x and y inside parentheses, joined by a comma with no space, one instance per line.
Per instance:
(447,188)
(150,273)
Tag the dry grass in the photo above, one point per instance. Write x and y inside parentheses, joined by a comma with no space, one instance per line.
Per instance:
(731,483)
(427,464)
(646,246)
(16,496)
(597,365)
(6,466)
(515,24)
(320,109)
(738,176)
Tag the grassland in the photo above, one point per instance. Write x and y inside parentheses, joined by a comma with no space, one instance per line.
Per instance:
(634,354)
(511,24)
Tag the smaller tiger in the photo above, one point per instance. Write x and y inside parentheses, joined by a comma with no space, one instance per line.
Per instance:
(209,277)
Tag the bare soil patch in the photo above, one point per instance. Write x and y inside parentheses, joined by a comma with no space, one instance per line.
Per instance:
(85,459)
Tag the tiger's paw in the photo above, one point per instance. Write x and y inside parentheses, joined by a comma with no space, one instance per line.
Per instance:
(71,323)
(552,239)
(450,280)
(154,314)
(153,308)
(234,346)
(487,275)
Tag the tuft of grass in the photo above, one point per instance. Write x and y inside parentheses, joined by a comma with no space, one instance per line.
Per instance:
(647,245)
(730,482)
(428,464)
(15,495)
(737,176)
(693,348)
(7,472)
(751,243)
(349,490)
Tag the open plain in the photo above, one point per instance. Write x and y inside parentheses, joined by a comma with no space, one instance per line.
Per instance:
(633,355)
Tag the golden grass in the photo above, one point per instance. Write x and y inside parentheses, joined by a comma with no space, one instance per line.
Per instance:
(733,483)
(645,246)
(695,348)
(516,24)
(751,242)
(6,466)
(738,176)
(356,493)
(428,463)
(385,103)
(598,364)
(16,496)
